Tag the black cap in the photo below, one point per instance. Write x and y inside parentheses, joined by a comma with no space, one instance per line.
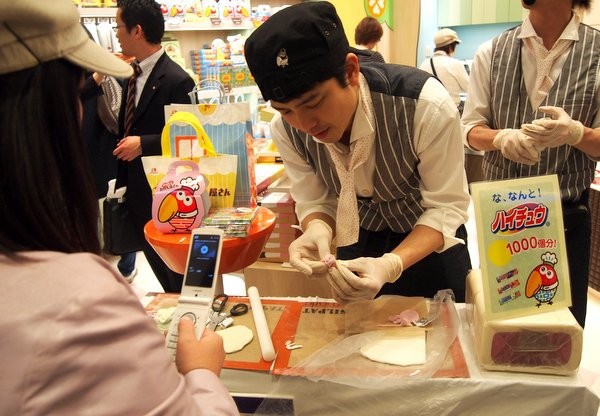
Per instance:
(298,46)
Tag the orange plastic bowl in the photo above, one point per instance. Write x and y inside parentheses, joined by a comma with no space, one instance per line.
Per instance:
(237,253)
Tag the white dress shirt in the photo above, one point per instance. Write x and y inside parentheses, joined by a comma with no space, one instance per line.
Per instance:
(450,71)
(477,108)
(147,65)
(443,184)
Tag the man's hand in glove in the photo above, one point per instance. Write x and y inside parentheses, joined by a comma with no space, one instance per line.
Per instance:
(373,273)
(556,131)
(308,250)
(517,146)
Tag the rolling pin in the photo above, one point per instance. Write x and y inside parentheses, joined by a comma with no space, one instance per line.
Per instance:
(260,322)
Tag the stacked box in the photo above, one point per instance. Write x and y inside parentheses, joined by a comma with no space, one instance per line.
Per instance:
(240,75)
(276,279)
(201,58)
(225,77)
(205,64)
(231,71)
(548,343)
(251,80)
(235,221)
(282,204)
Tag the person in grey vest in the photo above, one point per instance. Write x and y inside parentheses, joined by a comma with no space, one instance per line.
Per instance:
(533,108)
(374,155)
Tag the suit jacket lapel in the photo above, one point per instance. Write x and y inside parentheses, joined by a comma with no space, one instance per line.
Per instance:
(152,85)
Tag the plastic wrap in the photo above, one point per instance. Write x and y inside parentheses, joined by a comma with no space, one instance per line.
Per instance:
(341,361)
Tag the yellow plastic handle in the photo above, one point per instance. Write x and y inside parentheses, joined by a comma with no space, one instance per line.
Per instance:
(192,120)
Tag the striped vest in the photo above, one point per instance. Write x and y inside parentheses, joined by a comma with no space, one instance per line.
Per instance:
(574,91)
(395,203)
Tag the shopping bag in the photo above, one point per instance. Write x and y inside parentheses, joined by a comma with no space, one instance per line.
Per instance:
(220,172)
(118,231)
(229,127)
(183,138)
(180,201)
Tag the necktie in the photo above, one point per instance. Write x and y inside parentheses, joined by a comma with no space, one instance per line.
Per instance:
(130,105)
(347,220)
(544,60)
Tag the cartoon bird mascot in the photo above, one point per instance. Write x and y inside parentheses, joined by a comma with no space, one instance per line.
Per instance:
(542,282)
(181,208)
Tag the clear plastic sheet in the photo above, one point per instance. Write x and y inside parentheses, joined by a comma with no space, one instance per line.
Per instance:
(341,362)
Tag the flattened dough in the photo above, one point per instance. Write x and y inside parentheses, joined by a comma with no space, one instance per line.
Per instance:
(402,350)
(235,338)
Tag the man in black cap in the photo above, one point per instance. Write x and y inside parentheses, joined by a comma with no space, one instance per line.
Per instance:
(373,153)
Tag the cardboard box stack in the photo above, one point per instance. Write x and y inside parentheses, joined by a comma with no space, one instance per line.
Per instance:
(279,279)
(210,64)
(230,69)
(282,204)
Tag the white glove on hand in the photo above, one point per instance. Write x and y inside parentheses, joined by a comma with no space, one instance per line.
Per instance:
(373,272)
(517,146)
(308,250)
(556,131)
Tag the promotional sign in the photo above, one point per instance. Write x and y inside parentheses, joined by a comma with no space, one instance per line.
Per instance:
(522,249)
(381,10)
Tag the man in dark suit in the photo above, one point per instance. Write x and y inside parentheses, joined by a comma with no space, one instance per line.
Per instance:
(139,29)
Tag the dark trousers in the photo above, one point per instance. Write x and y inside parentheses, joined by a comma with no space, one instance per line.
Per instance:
(578,231)
(437,271)
(126,263)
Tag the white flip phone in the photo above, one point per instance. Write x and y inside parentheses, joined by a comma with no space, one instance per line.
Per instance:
(199,282)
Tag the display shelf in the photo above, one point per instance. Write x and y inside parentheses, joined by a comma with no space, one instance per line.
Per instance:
(191,26)
(190,35)
(169,27)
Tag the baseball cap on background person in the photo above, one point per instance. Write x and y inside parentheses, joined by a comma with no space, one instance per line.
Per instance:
(445,37)
(35,31)
(295,48)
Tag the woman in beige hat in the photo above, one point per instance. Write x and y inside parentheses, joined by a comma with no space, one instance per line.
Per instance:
(75,338)
(450,71)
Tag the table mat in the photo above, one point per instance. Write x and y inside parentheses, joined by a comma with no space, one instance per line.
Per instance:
(312,325)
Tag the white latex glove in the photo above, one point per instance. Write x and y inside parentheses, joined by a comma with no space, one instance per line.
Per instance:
(308,250)
(556,131)
(517,146)
(373,273)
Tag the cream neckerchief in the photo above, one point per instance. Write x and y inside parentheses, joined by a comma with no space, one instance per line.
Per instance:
(347,220)
(544,60)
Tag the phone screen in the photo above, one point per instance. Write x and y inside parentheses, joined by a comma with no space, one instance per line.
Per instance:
(203,258)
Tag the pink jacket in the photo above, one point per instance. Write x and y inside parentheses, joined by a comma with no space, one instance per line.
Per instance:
(75,340)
